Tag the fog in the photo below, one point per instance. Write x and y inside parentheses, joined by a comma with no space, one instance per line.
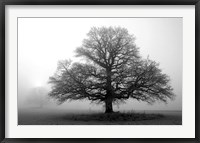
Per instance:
(42,42)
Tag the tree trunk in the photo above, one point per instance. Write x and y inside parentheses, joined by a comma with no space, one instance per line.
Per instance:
(109,108)
(109,96)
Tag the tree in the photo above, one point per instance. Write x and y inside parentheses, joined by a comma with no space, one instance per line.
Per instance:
(114,72)
(37,97)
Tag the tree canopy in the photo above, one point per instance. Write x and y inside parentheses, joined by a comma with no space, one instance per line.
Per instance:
(114,72)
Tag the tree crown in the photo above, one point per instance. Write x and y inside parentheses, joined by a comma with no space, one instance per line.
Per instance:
(115,72)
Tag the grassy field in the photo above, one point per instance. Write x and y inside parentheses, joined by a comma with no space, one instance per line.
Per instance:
(60,117)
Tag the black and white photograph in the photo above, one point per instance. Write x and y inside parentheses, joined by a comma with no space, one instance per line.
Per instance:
(99,70)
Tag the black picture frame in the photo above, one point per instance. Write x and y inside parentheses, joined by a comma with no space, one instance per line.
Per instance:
(3,3)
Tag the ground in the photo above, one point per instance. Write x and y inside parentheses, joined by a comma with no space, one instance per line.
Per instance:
(39,116)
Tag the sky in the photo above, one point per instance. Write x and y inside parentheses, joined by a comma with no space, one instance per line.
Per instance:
(42,42)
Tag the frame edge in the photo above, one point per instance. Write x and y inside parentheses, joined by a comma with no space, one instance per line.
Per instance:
(2,73)
(197,70)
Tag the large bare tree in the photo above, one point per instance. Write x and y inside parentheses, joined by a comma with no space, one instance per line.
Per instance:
(113,72)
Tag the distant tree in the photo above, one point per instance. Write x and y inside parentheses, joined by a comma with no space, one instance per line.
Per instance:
(114,72)
(37,97)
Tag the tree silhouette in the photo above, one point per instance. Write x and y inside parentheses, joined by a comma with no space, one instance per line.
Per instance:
(113,72)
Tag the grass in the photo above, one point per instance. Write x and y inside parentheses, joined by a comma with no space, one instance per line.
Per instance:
(116,116)
(60,117)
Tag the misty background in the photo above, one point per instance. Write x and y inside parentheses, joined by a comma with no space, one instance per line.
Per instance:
(42,42)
